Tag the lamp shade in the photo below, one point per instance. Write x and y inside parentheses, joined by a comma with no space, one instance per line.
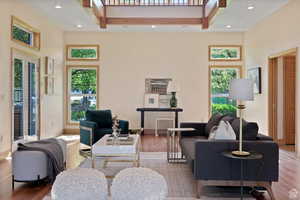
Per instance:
(241,89)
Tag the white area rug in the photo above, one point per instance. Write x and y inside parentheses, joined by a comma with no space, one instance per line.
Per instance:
(181,185)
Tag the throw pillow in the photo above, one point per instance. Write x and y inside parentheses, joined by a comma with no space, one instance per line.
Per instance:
(250,129)
(223,132)
(213,121)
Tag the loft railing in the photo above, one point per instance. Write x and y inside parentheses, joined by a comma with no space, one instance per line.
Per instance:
(153,2)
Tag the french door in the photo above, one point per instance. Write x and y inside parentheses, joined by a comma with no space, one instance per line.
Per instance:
(25,97)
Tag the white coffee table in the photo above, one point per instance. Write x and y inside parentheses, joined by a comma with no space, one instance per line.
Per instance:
(109,152)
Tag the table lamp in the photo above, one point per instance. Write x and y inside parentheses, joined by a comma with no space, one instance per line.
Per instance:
(241,90)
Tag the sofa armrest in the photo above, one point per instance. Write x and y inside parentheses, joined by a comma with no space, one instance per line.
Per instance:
(199,129)
(210,164)
(263,137)
(88,124)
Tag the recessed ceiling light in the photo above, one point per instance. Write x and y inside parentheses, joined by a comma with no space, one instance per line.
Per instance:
(250,7)
(228,26)
(79,26)
(153,26)
(58,6)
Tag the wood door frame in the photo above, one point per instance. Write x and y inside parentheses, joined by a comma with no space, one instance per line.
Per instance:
(272,91)
(14,51)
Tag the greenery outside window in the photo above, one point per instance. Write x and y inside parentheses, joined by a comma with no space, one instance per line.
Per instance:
(24,34)
(220,77)
(82,91)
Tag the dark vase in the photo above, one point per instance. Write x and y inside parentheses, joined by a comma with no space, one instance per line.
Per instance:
(173,100)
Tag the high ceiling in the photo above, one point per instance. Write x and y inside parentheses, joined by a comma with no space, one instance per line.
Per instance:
(236,17)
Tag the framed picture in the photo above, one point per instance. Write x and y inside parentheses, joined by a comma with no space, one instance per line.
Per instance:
(151,101)
(49,69)
(225,53)
(82,52)
(255,75)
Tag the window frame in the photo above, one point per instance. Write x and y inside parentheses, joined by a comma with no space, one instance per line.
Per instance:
(36,34)
(238,67)
(68,89)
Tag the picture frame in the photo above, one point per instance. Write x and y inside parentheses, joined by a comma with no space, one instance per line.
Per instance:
(255,75)
(151,101)
(225,53)
(49,69)
(82,52)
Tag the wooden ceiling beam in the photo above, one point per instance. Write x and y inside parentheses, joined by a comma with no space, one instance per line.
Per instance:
(153,21)
(207,20)
(99,10)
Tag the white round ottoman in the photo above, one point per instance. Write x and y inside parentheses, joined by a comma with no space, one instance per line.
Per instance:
(80,184)
(139,184)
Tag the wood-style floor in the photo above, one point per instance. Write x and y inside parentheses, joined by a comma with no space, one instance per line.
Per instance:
(289,174)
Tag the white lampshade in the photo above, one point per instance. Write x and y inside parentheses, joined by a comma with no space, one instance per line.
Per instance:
(241,89)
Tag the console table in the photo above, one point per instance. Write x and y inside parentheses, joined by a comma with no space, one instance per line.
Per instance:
(143,110)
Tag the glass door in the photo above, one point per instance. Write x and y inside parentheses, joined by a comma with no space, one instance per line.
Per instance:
(25,97)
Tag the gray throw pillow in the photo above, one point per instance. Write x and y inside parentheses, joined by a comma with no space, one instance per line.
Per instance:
(250,129)
(213,121)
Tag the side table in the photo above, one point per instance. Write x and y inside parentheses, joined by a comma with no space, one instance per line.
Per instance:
(173,153)
(253,156)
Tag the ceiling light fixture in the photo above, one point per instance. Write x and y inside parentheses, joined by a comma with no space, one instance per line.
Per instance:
(58,6)
(79,26)
(250,7)
(153,26)
(228,26)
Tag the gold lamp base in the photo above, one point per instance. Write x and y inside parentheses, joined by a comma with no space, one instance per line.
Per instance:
(240,153)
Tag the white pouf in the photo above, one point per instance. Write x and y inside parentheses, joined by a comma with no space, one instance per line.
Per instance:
(79,184)
(139,183)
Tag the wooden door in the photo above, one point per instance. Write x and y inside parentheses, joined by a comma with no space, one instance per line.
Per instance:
(272,107)
(289,87)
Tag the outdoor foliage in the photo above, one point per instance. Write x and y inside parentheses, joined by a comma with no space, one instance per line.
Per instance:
(84,81)
(83,53)
(220,80)
(223,53)
(224,109)
(21,35)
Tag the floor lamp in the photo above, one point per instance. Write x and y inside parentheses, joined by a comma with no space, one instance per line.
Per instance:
(241,90)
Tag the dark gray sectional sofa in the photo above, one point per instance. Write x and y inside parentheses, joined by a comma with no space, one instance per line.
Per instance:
(210,167)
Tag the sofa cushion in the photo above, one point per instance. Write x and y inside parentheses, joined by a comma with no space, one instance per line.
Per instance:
(102,117)
(250,129)
(228,118)
(188,145)
(213,121)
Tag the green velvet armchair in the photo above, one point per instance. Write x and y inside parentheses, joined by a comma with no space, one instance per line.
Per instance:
(97,124)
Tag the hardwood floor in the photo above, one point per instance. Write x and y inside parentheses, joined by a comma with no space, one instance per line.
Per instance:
(289,174)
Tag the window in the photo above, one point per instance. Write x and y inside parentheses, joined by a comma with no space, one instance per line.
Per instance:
(82,91)
(24,34)
(220,77)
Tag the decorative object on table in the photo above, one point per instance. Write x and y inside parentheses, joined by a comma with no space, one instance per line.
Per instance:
(159,86)
(173,88)
(49,75)
(255,75)
(80,183)
(225,53)
(144,184)
(241,90)
(82,52)
(98,123)
(151,101)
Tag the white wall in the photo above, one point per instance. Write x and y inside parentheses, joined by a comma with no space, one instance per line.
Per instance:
(51,45)
(126,59)
(275,34)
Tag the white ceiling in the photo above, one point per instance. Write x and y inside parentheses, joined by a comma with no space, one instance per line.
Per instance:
(236,15)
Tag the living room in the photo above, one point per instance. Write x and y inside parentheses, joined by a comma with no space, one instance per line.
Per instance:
(129,54)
